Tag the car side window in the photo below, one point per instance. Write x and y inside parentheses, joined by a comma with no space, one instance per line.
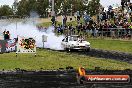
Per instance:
(66,39)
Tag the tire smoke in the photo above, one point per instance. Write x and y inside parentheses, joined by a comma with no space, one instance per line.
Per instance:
(29,29)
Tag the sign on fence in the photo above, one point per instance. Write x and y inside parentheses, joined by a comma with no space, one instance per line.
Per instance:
(44,38)
(26,45)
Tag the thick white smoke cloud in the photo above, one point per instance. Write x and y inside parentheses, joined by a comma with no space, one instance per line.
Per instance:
(29,29)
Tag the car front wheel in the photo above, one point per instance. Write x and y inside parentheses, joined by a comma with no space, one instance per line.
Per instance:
(68,49)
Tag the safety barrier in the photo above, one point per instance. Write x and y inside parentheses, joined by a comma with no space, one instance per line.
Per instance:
(104,32)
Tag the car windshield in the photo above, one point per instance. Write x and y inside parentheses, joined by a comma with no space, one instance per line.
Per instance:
(76,38)
(73,38)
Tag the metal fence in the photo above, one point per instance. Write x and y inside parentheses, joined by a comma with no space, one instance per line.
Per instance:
(112,32)
(105,32)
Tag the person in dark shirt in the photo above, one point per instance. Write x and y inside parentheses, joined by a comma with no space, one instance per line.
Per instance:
(112,14)
(59,28)
(6,35)
(130,6)
(122,4)
(79,27)
(104,16)
(64,20)
(70,29)
(53,20)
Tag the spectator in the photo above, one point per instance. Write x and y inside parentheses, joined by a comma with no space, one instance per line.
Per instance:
(6,35)
(53,20)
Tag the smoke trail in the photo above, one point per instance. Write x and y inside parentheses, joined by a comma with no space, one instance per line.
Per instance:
(29,29)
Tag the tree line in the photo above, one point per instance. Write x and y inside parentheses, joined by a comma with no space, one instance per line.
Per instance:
(42,7)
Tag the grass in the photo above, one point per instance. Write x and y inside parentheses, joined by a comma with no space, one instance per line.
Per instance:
(47,24)
(47,59)
(114,45)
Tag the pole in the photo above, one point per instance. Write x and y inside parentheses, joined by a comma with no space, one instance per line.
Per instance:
(71,10)
(53,11)
(16,25)
(43,44)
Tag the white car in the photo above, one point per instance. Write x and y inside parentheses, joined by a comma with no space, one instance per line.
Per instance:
(75,42)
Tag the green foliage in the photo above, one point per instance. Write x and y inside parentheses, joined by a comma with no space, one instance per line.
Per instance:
(66,7)
(93,7)
(22,8)
(61,7)
(5,10)
(76,5)
(42,5)
(25,7)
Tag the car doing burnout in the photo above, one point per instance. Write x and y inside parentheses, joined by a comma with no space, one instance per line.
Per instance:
(75,42)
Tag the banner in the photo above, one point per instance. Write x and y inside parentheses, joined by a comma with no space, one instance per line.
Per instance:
(11,45)
(82,77)
(26,45)
(3,46)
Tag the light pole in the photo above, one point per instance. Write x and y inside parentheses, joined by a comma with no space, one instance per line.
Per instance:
(53,11)
(14,7)
(71,9)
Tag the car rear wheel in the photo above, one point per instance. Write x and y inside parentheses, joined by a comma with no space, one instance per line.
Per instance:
(87,50)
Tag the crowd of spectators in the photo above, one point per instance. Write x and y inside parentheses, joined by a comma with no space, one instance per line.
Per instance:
(111,23)
(114,22)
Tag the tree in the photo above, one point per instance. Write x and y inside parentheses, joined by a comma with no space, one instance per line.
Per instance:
(61,7)
(23,8)
(5,10)
(42,5)
(93,7)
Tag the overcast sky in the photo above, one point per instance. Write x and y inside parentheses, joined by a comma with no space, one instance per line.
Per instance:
(103,2)
(7,2)
(110,2)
